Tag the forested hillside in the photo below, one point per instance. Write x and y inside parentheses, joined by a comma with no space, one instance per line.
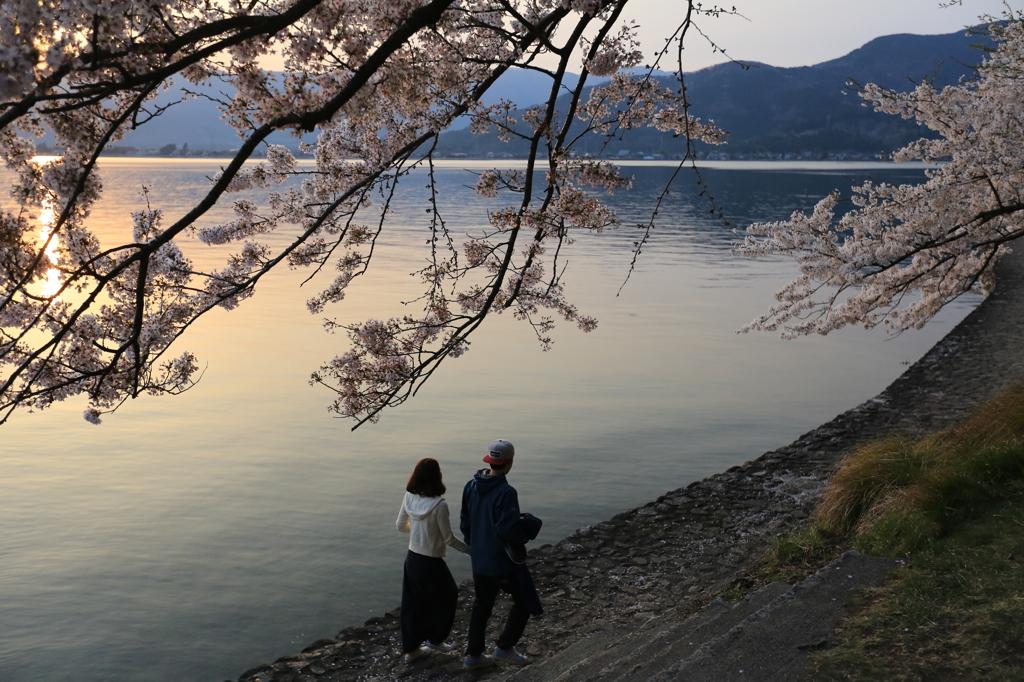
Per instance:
(803,111)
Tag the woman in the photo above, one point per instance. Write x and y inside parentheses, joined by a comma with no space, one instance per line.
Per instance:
(429,593)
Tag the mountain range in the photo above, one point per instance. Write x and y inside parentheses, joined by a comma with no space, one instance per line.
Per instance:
(768,111)
(772,112)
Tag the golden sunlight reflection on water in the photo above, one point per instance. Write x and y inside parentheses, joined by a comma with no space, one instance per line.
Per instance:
(48,219)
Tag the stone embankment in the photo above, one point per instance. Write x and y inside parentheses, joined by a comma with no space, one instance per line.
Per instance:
(672,555)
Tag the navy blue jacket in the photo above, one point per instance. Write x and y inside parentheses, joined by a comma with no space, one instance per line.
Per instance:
(490,516)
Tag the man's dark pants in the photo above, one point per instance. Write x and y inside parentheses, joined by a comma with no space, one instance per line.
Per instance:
(487,587)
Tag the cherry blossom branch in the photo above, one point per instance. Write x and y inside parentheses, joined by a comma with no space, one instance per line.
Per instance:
(376,80)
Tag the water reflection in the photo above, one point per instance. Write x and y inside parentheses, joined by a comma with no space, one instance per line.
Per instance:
(51,283)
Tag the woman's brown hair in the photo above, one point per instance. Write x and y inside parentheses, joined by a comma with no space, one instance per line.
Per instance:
(426,479)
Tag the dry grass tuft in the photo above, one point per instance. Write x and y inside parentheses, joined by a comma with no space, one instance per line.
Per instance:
(895,495)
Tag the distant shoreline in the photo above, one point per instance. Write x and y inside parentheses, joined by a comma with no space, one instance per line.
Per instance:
(701,158)
(724,164)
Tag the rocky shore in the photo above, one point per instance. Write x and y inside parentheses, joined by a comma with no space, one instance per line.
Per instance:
(673,554)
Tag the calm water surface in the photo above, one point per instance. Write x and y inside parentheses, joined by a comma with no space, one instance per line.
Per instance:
(191,538)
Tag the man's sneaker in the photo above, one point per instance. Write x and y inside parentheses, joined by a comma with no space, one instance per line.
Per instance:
(415,655)
(479,661)
(510,655)
(442,647)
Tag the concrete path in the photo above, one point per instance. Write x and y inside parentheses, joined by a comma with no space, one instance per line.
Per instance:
(765,637)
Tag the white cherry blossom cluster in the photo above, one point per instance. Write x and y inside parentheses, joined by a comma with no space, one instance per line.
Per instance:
(619,52)
(903,252)
(630,101)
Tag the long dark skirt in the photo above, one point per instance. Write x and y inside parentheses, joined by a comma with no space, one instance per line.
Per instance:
(429,599)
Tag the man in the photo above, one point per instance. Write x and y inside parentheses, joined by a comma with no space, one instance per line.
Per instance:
(490,518)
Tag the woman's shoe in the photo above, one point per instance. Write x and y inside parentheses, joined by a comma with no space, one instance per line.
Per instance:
(442,647)
(415,655)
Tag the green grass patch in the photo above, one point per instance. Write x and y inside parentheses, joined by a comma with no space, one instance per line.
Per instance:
(954,611)
(790,559)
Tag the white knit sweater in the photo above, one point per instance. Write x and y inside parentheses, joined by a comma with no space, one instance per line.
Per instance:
(426,521)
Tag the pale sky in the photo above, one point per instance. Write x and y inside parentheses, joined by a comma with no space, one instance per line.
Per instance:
(803,32)
(795,32)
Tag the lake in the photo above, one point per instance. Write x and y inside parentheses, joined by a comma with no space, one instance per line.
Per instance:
(190,538)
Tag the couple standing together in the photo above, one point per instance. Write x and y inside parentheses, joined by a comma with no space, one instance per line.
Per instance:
(494,531)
